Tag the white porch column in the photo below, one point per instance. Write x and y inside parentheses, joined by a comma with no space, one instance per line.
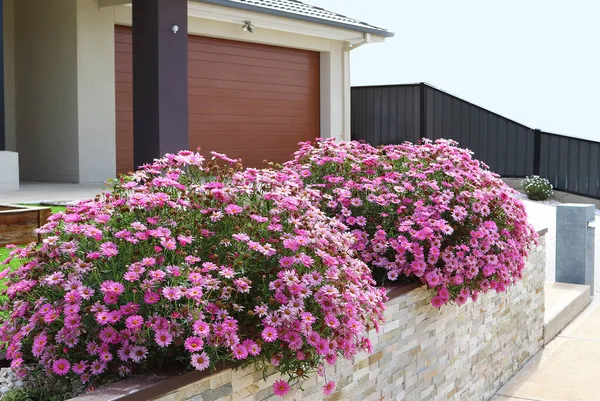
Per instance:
(334,96)
(95,92)
(347,94)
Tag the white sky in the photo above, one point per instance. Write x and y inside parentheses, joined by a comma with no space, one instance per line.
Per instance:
(534,61)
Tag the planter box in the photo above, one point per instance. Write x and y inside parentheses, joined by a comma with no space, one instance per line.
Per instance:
(17,223)
(422,353)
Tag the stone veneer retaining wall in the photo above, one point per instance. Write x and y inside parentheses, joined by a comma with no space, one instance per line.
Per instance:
(455,353)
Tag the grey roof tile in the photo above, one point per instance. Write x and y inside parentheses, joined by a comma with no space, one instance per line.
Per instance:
(299,10)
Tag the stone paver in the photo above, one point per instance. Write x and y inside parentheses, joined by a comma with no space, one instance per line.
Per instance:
(567,369)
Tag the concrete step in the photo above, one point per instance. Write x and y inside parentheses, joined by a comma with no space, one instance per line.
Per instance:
(562,302)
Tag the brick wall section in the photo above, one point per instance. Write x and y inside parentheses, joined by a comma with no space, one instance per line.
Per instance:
(456,353)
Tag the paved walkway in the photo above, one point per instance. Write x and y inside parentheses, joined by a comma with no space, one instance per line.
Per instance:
(36,192)
(567,369)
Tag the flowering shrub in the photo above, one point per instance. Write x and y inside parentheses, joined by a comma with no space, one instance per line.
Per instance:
(190,262)
(428,211)
(537,188)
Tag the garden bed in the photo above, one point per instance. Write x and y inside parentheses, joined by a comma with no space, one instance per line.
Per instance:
(275,271)
(17,223)
(420,353)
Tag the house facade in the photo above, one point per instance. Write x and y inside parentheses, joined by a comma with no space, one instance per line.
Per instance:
(93,88)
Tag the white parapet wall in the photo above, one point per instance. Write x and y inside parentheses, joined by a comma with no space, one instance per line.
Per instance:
(421,353)
(9,171)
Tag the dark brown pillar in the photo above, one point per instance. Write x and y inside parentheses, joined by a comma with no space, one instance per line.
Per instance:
(160,78)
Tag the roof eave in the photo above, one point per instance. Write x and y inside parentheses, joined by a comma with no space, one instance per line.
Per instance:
(278,13)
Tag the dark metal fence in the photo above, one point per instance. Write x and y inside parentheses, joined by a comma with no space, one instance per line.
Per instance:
(398,113)
(571,164)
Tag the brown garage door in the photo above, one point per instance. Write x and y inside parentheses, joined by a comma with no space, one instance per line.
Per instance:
(250,101)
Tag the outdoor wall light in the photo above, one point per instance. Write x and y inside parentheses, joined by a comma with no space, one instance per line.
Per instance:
(175,28)
(248,27)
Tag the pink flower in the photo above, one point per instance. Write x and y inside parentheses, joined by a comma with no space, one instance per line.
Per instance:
(329,387)
(79,367)
(322,347)
(233,209)
(252,347)
(61,367)
(194,344)
(437,302)
(112,287)
(172,293)
(281,388)
(331,321)
(109,249)
(201,328)
(185,239)
(240,352)
(134,322)
(108,335)
(102,318)
(200,361)
(151,297)
(138,353)
(163,338)
(269,334)
(97,367)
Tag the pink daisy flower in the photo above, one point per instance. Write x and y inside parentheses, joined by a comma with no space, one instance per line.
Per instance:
(106,356)
(61,367)
(240,352)
(163,338)
(281,388)
(134,322)
(252,347)
(233,209)
(437,302)
(269,334)
(151,297)
(201,328)
(138,353)
(79,367)
(109,249)
(200,361)
(108,335)
(329,387)
(172,293)
(194,344)
(97,367)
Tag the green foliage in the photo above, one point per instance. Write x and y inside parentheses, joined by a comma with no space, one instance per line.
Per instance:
(537,188)
(45,387)
(31,394)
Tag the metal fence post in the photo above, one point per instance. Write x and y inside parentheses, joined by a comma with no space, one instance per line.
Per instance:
(537,149)
(422,115)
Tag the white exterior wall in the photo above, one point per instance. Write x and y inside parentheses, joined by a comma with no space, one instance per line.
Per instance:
(64,96)
(46,89)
